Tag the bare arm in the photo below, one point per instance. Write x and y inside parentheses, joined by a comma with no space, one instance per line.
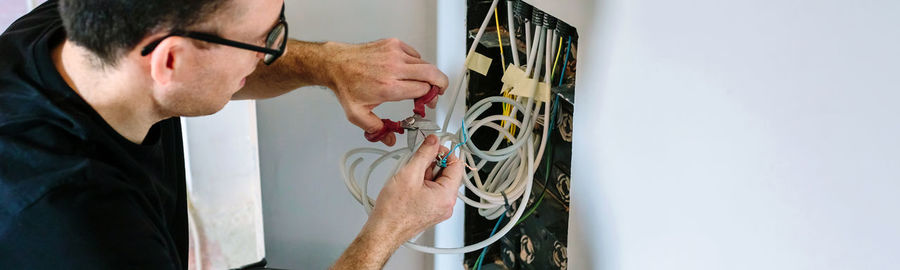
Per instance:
(370,250)
(300,66)
(362,76)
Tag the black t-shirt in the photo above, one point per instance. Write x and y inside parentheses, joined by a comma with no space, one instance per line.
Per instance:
(74,194)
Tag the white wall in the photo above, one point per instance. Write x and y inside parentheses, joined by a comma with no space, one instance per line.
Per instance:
(224,185)
(451,49)
(746,134)
(11,10)
(709,135)
(310,218)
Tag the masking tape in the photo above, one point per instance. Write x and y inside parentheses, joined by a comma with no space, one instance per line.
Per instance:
(512,73)
(524,87)
(506,88)
(479,63)
(543,92)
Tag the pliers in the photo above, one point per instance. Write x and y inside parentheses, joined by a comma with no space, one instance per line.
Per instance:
(413,123)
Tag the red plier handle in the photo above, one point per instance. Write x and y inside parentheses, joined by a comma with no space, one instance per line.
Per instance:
(421,101)
(391,126)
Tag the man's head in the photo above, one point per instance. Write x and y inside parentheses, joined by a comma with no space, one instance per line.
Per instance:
(184,76)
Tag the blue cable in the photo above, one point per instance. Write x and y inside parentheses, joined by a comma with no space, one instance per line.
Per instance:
(553,113)
(566,62)
(443,163)
(484,251)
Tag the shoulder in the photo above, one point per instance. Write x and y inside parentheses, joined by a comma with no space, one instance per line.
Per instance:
(37,156)
(39,17)
(18,40)
(85,225)
(27,91)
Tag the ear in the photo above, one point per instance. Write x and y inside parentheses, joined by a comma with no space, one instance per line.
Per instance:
(167,56)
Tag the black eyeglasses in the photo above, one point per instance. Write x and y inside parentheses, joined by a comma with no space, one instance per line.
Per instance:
(276,41)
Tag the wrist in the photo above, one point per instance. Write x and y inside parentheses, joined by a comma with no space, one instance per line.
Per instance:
(370,250)
(330,63)
(310,62)
(381,232)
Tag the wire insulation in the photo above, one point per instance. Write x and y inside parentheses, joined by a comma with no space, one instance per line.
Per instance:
(512,176)
(500,41)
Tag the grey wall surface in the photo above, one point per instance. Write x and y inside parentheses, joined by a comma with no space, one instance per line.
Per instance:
(222,169)
(709,135)
(738,134)
(310,218)
(10,10)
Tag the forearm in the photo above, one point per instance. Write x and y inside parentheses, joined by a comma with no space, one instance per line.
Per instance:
(301,65)
(370,250)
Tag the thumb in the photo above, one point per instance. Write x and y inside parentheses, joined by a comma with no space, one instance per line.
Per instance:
(426,153)
(451,177)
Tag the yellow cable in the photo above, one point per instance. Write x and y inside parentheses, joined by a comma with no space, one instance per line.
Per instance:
(506,107)
(557,58)
(500,40)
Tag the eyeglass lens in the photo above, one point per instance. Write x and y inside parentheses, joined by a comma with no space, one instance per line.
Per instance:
(275,41)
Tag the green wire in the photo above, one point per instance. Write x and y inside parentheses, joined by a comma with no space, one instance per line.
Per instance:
(546,164)
(546,173)
(543,193)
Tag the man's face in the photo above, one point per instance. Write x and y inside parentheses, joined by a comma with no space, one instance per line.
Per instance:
(215,73)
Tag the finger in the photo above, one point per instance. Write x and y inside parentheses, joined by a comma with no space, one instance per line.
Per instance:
(433,170)
(451,177)
(425,154)
(413,60)
(390,139)
(425,73)
(409,50)
(443,89)
(404,90)
(442,151)
(365,119)
(433,103)
(429,173)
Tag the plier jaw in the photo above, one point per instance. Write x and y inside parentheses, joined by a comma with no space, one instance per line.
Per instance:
(416,122)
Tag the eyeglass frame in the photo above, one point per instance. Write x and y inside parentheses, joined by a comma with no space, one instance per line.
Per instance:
(227,42)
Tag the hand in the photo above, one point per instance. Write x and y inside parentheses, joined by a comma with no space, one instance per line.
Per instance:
(364,76)
(413,199)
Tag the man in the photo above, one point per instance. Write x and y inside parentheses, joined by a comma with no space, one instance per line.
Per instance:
(91,164)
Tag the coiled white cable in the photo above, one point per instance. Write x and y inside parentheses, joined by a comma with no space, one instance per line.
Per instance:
(513,174)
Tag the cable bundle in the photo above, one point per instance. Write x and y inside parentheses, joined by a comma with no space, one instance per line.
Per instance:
(514,165)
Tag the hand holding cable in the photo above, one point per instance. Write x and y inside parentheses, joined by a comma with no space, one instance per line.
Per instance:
(413,199)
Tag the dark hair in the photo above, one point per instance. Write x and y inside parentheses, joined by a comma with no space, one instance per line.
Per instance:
(110,28)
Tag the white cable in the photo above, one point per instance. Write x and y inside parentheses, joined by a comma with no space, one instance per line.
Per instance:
(527,38)
(533,51)
(514,170)
(553,46)
(465,69)
(512,33)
